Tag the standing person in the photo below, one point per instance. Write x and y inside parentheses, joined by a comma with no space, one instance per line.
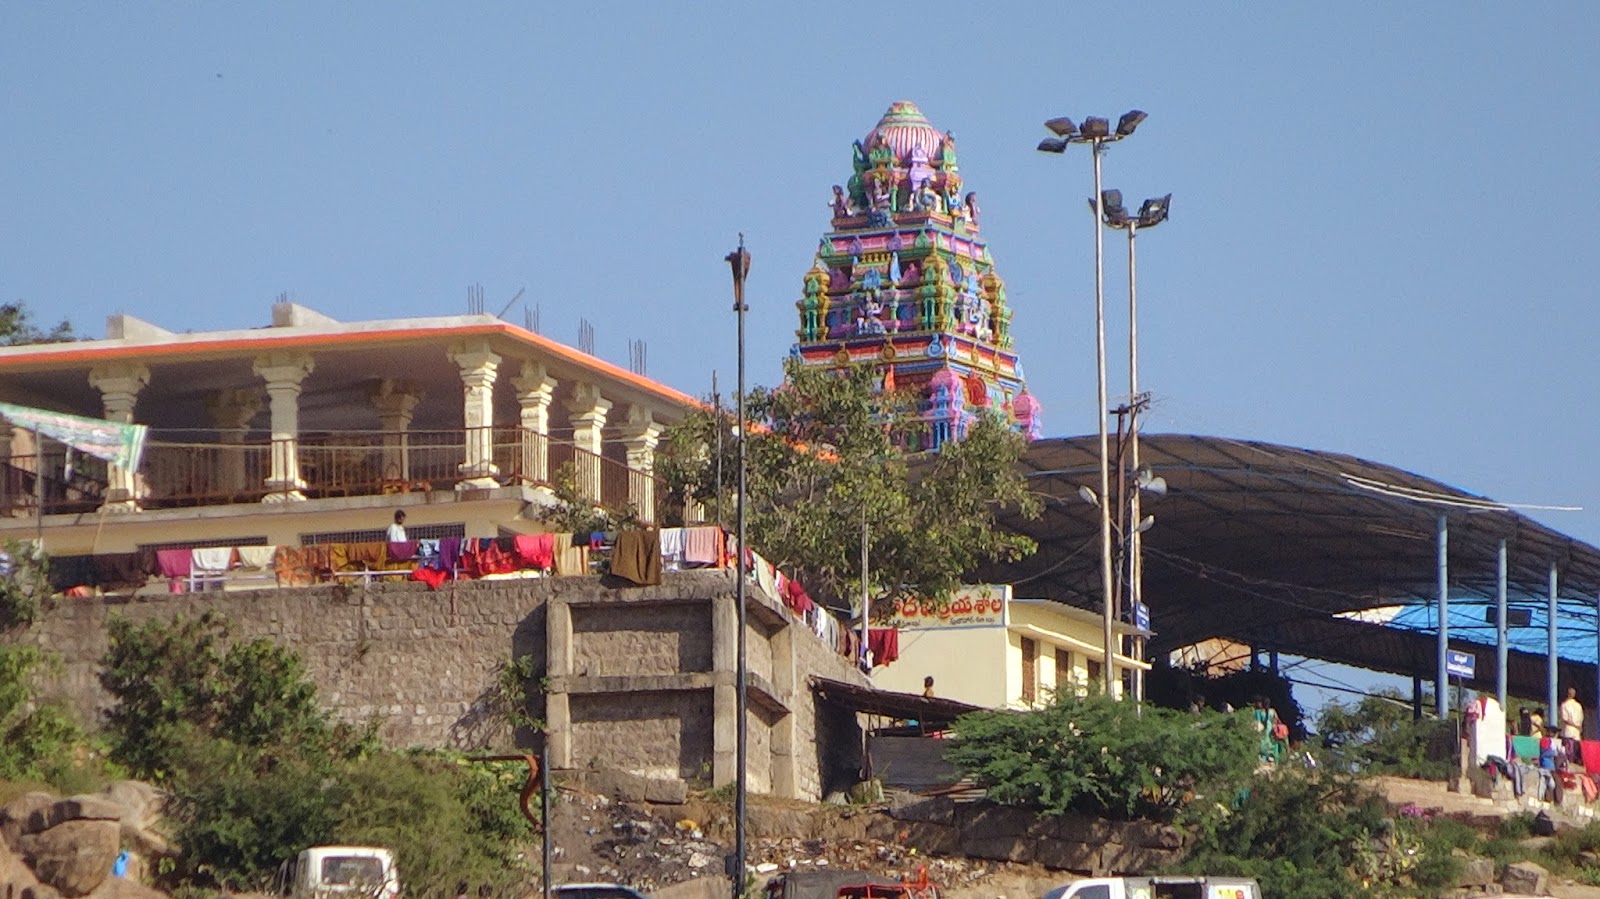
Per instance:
(1274,736)
(1571,714)
(1536,723)
(397,531)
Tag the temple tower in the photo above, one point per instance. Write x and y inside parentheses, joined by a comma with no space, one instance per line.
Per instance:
(904,283)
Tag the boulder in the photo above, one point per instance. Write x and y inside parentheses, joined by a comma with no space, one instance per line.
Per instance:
(1126,859)
(73,856)
(124,888)
(16,878)
(911,807)
(1151,835)
(1067,855)
(1475,872)
(1526,878)
(142,804)
(15,817)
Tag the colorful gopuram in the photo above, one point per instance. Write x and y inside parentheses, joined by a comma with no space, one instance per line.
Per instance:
(904,283)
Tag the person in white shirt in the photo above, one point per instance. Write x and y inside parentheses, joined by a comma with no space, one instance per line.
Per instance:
(1571,722)
(397,531)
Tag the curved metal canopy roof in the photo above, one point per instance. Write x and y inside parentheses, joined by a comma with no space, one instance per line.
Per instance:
(1265,544)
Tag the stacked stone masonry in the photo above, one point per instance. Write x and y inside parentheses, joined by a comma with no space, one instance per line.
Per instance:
(642,680)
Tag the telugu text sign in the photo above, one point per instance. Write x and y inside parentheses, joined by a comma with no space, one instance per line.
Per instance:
(983,605)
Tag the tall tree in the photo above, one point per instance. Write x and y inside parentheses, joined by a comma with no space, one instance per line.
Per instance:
(826,460)
(17,327)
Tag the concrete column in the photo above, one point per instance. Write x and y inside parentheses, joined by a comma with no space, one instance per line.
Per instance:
(785,740)
(640,436)
(724,698)
(478,367)
(232,411)
(119,387)
(558,667)
(284,374)
(396,402)
(587,412)
(535,390)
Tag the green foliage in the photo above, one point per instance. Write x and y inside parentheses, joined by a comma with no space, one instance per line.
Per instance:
(24,582)
(572,512)
(168,677)
(39,741)
(448,821)
(510,698)
(1316,835)
(258,772)
(1379,736)
(827,453)
(17,327)
(1100,757)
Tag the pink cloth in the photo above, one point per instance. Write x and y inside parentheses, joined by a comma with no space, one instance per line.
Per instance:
(702,546)
(174,562)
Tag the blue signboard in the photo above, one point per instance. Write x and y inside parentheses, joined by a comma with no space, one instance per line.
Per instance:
(1460,664)
(1141,616)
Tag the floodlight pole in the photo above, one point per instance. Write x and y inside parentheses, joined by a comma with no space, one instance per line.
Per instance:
(1107,613)
(1501,645)
(740,261)
(1552,660)
(1441,680)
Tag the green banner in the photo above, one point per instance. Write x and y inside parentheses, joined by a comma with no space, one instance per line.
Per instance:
(120,444)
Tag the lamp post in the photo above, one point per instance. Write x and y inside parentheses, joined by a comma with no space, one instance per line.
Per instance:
(739,261)
(1096,132)
(1152,212)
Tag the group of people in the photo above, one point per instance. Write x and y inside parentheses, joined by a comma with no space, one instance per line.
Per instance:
(1531,722)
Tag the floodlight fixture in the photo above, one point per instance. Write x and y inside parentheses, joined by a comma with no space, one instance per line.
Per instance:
(1155,211)
(1129,121)
(1094,127)
(1061,126)
(1052,145)
(1151,483)
(1111,208)
(1145,524)
(1087,495)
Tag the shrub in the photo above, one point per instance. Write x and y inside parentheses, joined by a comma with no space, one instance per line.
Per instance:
(1097,756)
(39,741)
(1378,735)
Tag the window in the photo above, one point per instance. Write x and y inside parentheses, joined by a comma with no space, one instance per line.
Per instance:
(1063,672)
(1030,674)
(1096,676)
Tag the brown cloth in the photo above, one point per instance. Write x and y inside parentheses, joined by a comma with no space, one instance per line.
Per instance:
(370,556)
(637,556)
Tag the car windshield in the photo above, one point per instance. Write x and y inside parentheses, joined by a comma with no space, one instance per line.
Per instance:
(343,870)
(598,891)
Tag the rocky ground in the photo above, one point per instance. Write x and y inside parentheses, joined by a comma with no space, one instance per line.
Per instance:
(52,848)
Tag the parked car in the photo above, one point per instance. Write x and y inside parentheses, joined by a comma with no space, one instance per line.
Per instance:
(1174,887)
(821,883)
(339,872)
(596,891)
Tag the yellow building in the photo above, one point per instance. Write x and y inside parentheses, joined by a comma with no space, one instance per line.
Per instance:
(310,430)
(987,648)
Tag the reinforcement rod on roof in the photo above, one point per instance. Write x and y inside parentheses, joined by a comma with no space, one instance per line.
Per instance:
(1551,658)
(1441,679)
(1501,647)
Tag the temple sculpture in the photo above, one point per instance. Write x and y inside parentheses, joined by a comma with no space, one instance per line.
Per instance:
(904,283)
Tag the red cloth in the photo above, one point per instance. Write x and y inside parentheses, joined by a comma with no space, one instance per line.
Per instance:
(1590,750)
(430,576)
(884,644)
(536,550)
(486,557)
(795,597)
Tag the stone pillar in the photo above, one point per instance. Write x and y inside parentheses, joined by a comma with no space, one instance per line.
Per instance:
(535,390)
(558,668)
(284,374)
(588,410)
(785,768)
(724,689)
(119,386)
(640,436)
(478,367)
(232,411)
(396,401)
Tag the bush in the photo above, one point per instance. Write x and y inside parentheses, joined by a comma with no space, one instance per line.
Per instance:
(39,741)
(24,582)
(1378,735)
(1100,757)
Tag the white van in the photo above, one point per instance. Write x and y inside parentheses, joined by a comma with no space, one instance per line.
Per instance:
(1174,887)
(339,872)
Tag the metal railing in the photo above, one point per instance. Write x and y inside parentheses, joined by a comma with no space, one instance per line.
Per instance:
(177,474)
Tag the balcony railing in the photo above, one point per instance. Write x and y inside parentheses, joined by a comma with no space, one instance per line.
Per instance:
(177,474)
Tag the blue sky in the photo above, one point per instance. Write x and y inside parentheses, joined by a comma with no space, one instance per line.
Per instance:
(1383,236)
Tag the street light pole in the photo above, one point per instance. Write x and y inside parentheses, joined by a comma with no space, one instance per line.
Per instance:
(1114,214)
(739,260)
(1096,132)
